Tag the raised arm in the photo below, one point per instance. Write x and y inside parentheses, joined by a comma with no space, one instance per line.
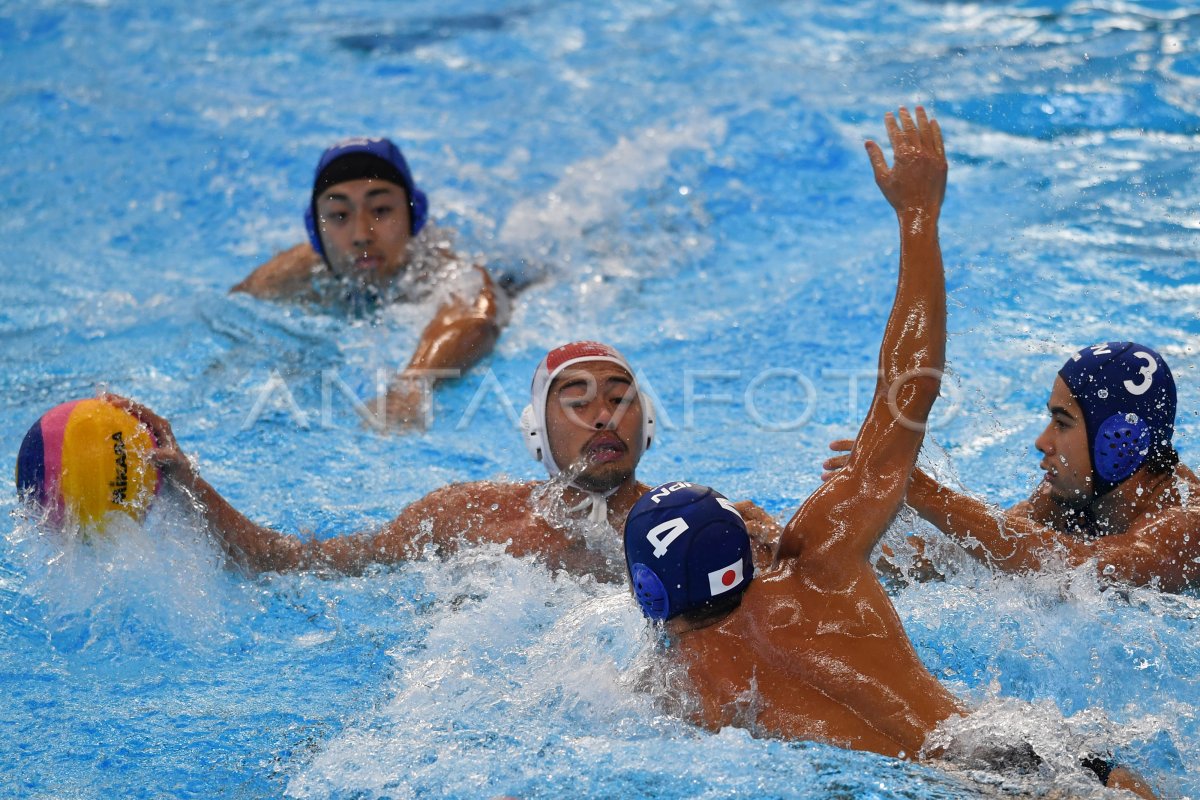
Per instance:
(459,335)
(842,520)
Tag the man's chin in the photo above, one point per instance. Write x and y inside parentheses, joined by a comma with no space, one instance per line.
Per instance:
(1072,499)
(603,477)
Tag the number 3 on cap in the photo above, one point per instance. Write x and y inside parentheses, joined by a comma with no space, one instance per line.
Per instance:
(662,535)
(1146,372)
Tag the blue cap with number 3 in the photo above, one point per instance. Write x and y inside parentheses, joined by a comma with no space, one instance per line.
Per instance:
(1127,395)
(686,547)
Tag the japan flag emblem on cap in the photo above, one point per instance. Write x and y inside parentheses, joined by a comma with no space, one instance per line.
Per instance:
(725,578)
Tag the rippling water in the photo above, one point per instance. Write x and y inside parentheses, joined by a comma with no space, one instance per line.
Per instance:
(688,181)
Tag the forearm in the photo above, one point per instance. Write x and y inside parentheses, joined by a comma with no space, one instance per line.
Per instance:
(256,548)
(914,340)
(1008,541)
(253,547)
(460,334)
(454,344)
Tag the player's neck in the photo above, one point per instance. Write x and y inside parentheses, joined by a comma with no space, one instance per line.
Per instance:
(619,502)
(1143,494)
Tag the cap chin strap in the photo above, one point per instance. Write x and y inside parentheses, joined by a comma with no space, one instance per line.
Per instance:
(595,502)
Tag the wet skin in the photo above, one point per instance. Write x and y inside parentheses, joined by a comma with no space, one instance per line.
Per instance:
(594,423)
(1064,448)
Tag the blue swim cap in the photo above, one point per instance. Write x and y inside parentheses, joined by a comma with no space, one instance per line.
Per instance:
(351,159)
(1127,395)
(686,547)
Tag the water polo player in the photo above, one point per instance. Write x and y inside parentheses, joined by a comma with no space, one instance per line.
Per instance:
(586,422)
(812,647)
(371,242)
(1113,490)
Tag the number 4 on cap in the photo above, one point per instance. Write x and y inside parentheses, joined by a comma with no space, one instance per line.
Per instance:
(662,535)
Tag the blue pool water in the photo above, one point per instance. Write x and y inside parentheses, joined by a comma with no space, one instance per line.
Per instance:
(689,182)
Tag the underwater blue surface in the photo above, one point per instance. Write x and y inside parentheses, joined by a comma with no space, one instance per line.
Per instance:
(688,180)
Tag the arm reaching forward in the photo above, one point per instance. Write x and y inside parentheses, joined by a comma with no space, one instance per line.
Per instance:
(257,548)
(1156,549)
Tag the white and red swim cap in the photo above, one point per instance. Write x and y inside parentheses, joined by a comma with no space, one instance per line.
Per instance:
(533,419)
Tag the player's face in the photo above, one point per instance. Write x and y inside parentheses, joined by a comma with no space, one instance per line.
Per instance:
(364,227)
(594,423)
(1064,448)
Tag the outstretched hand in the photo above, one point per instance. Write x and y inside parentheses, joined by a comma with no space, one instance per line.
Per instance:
(166,455)
(916,182)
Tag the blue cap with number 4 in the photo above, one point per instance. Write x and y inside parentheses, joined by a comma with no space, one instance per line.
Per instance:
(1127,396)
(686,547)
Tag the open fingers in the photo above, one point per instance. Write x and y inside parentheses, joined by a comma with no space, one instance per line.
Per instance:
(836,462)
(895,136)
(912,136)
(158,426)
(842,445)
(938,147)
(878,162)
(125,404)
(924,129)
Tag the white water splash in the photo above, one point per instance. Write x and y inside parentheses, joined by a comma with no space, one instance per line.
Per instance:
(590,190)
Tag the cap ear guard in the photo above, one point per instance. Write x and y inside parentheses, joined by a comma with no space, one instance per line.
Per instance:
(1122,443)
(418,207)
(647,420)
(531,433)
(314,236)
(650,593)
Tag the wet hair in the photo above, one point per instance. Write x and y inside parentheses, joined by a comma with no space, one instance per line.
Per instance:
(1162,460)
(1101,764)
(353,167)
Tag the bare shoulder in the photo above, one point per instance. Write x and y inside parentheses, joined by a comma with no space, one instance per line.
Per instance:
(1183,519)
(285,275)
(442,517)
(1185,475)
(493,497)
(1160,549)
